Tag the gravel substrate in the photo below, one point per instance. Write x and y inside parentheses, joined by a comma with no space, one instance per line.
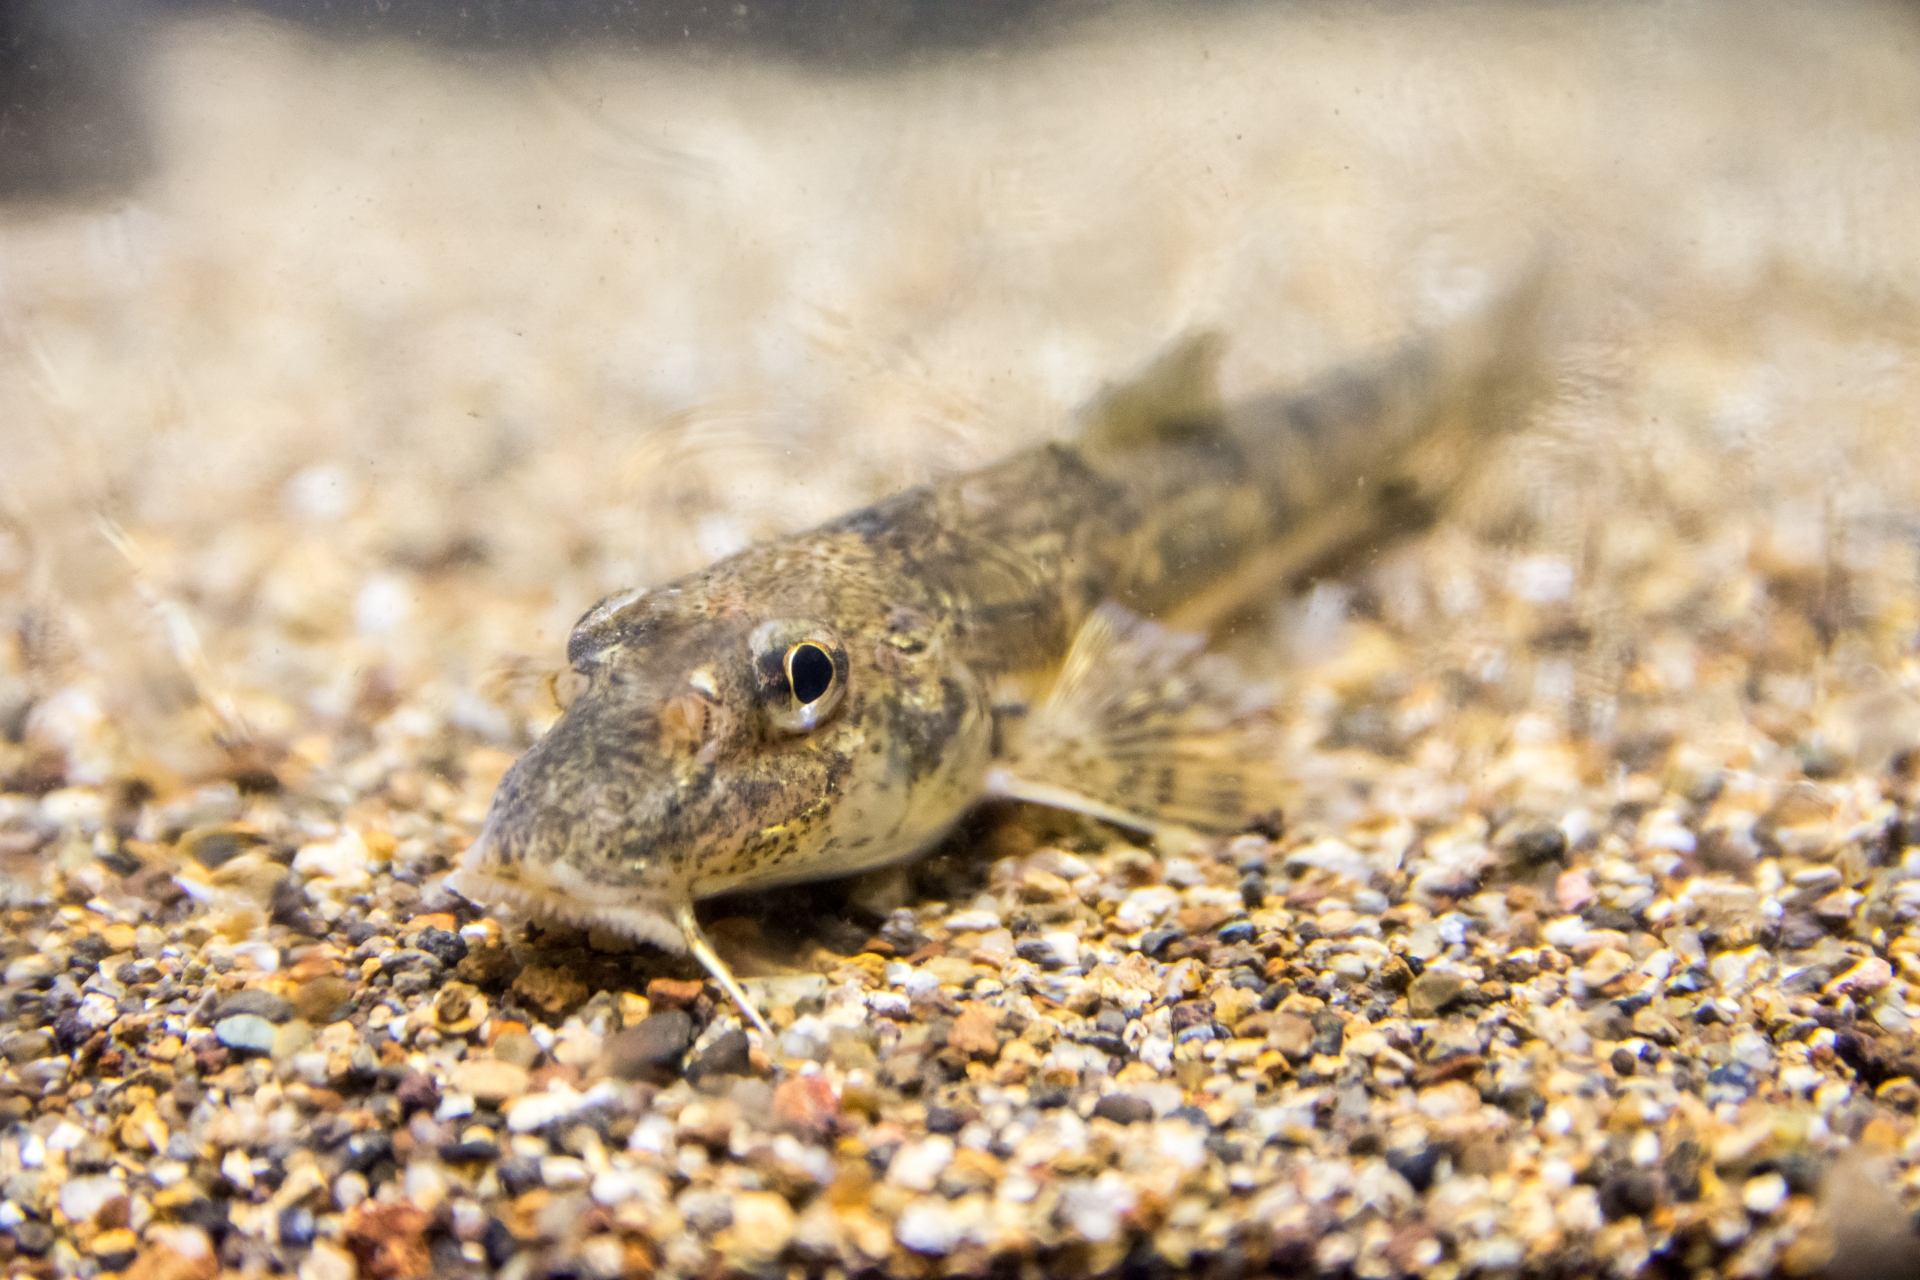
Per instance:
(1591,947)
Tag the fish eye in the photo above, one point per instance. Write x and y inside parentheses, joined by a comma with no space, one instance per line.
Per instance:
(800,671)
(809,672)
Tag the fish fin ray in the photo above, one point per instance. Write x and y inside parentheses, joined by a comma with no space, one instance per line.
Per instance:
(1175,398)
(1145,728)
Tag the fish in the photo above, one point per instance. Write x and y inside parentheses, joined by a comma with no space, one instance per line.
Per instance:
(833,701)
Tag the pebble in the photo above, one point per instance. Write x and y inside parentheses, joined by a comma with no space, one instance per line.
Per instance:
(1765,1194)
(1869,975)
(1432,992)
(918,1165)
(762,1228)
(246,1032)
(82,1199)
(259,1002)
(934,1226)
(1123,1108)
(489,1080)
(651,1046)
(729,1054)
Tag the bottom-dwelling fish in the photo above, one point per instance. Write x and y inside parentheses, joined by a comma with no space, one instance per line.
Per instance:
(832,701)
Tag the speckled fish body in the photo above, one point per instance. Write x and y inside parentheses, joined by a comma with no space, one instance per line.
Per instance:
(834,700)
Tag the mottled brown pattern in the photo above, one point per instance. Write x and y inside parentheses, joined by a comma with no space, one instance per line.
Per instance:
(685,770)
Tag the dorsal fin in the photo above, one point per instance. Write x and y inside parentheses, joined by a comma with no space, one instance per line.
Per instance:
(1177,397)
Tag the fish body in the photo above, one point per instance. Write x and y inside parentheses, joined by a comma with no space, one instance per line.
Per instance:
(834,700)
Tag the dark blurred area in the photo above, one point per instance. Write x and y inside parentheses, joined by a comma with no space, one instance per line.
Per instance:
(71,126)
(833,30)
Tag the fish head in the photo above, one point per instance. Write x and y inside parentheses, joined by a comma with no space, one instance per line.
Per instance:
(755,725)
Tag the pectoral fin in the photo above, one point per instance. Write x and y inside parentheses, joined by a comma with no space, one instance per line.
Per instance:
(1145,729)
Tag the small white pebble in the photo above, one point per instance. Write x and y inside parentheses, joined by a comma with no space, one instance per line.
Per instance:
(82,1198)
(975,921)
(349,1189)
(918,1165)
(236,1167)
(1064,945)
(1764,1194)
(454,1106)
(66,1136)
(889,1004)
(1800,1079)
(425,1185)
(563,1172)
(931,1226)
(1541,579)
(1094,1209)
(1645,1149)
(328,1261)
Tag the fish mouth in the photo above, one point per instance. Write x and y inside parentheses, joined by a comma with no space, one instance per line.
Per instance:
(556,892)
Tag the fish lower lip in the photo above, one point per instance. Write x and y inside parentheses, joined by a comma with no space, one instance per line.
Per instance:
(555,895)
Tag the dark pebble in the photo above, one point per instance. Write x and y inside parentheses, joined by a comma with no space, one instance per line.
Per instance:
(1691,981)
(1624,1063)
(1223,1148)
(1735,1075)
(1800,930)
(649,1046)
(111,1260)
(1253,892)
(296,1227)
(119,862)
(728,1055)
(89,1157)
(1036,951)
(1329,1033)
(1628,1194)
(365,1150)
(1112,1046)
(1191,1013)
(1050,1097)
(1541,845)
(1123,1108)
(467,1152)
(1247,979)
(443,945)
(1611,918)
(945,1119)
(1155,941)
(260,1003)
(206,1213)
(902,932)
(1238,931)
(362,930)
(416,1092)
(499,1243)
(1806,981)
(1682,1166)
(91,949)
(1417,1167)
(518,1175)
(32,1238)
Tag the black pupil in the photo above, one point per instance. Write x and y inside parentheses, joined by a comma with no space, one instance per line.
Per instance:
(811,671)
